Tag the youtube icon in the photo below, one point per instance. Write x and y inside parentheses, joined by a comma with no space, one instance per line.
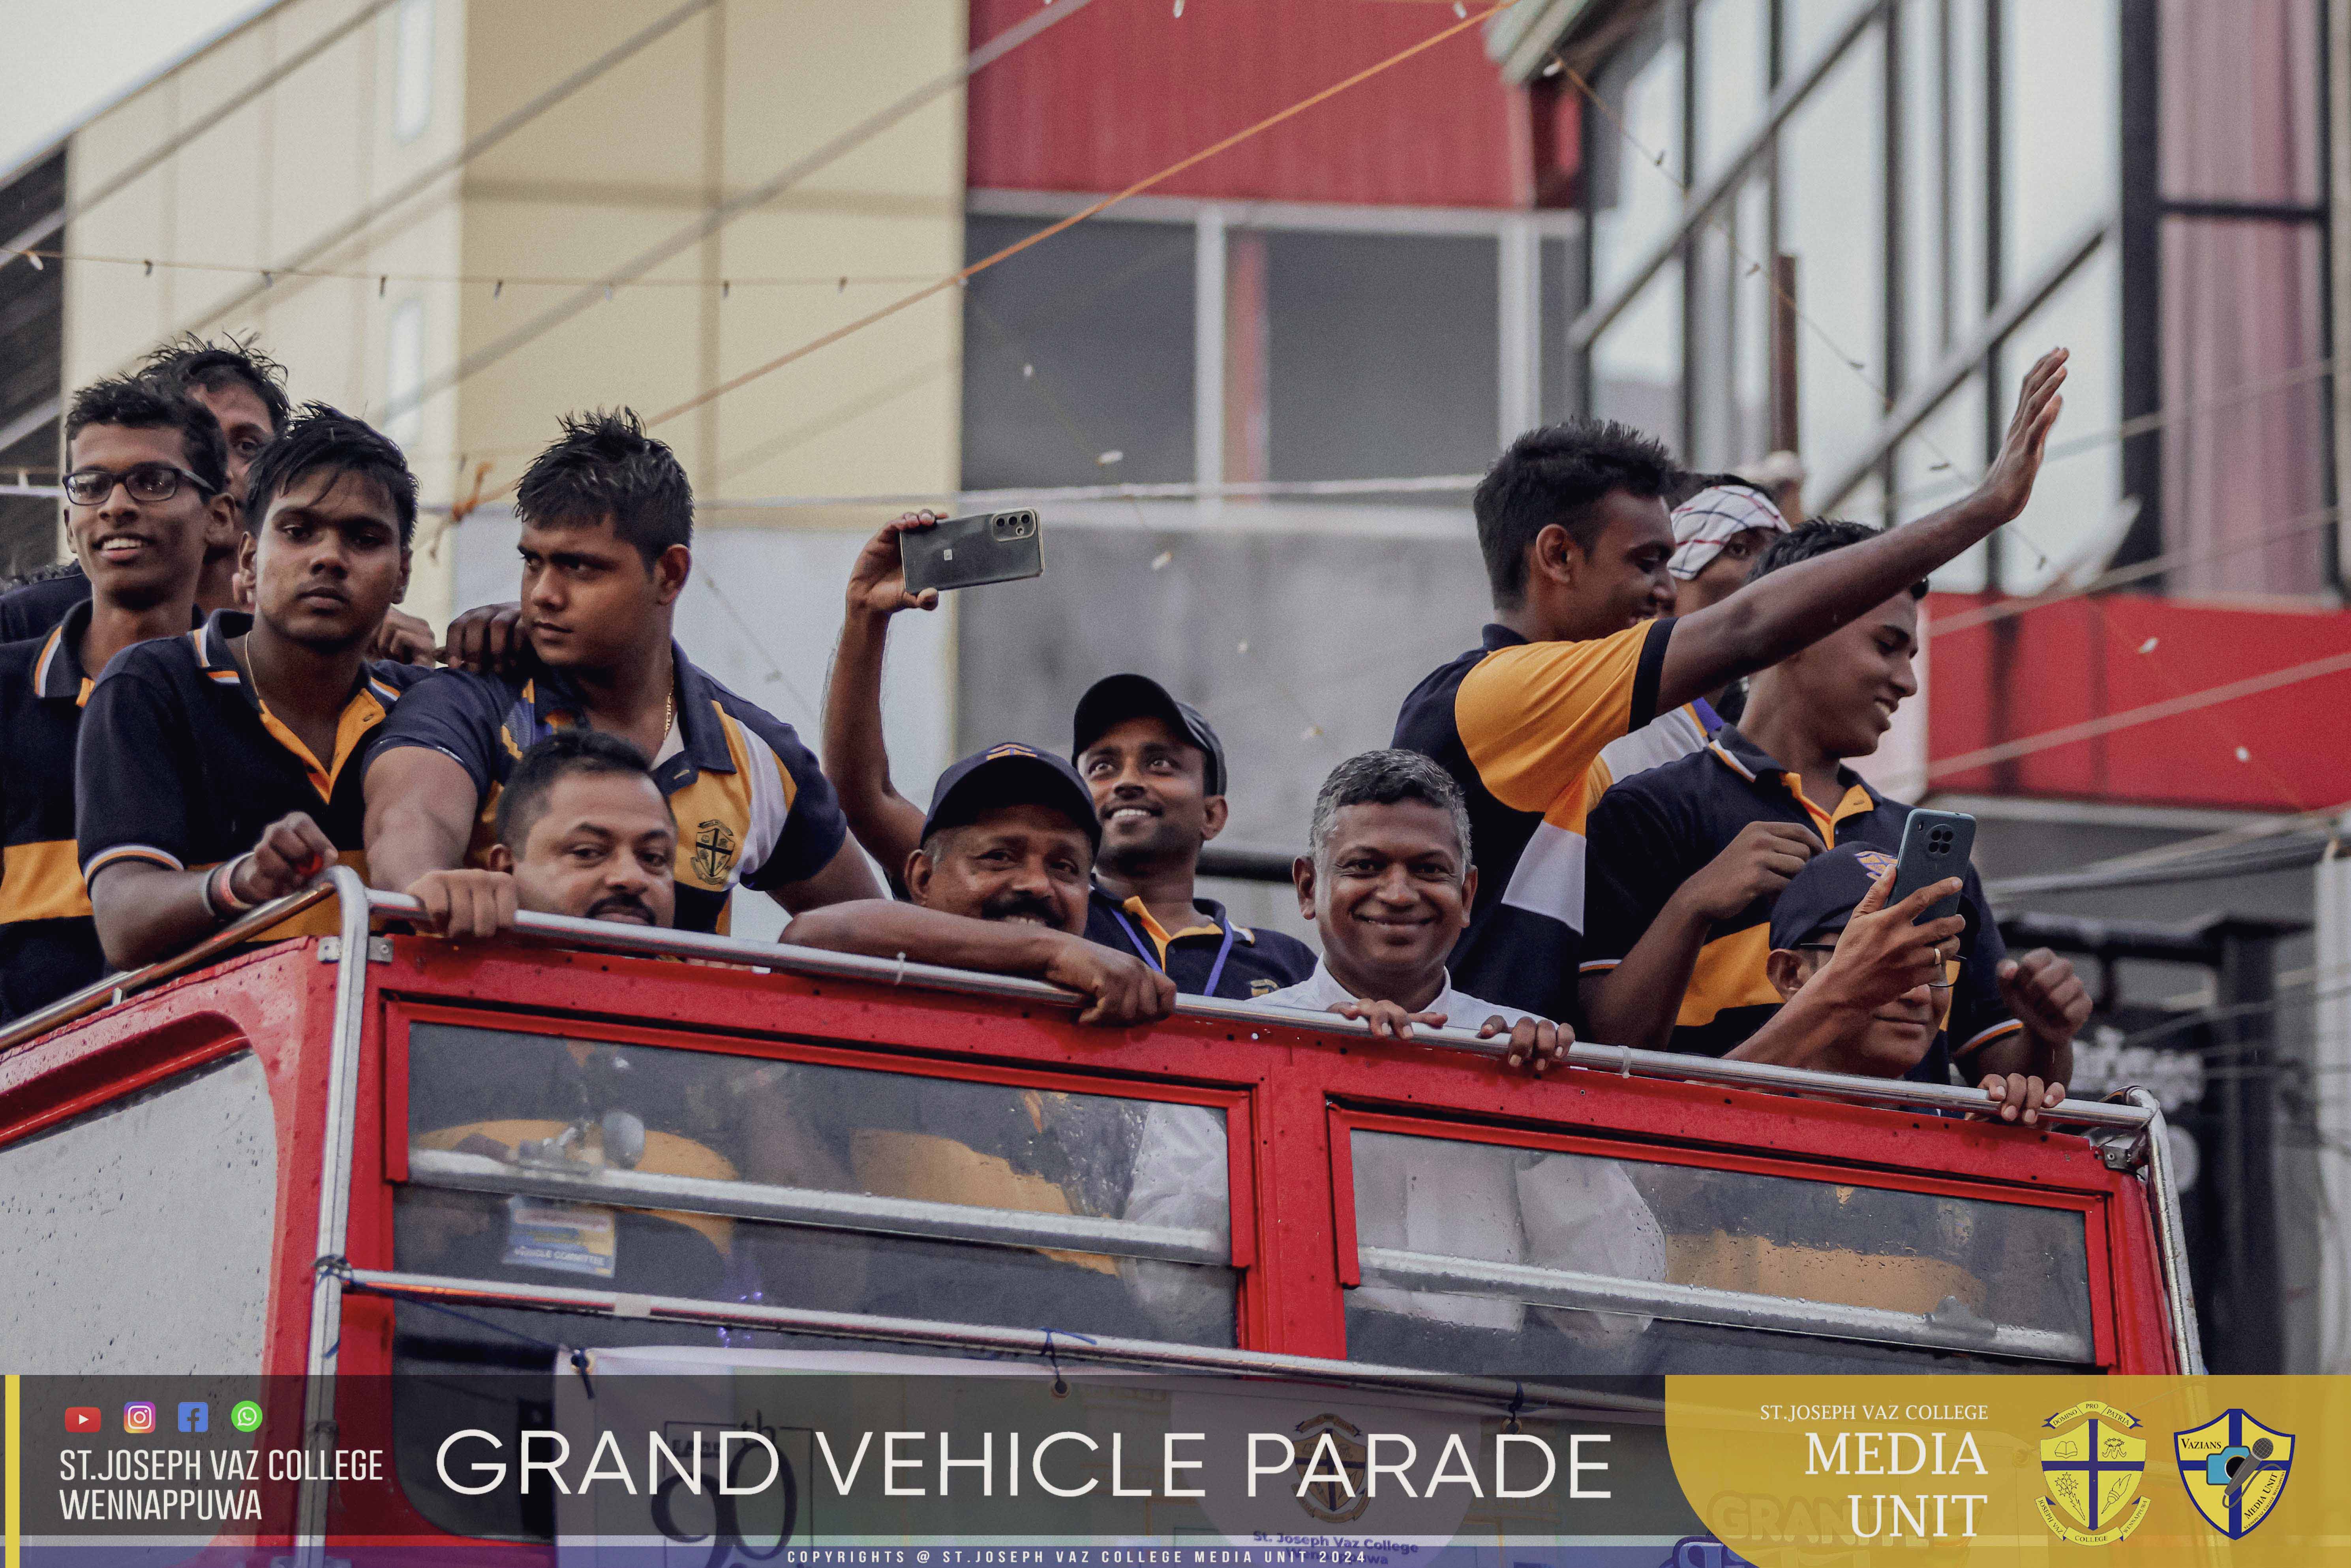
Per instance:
(84,1418)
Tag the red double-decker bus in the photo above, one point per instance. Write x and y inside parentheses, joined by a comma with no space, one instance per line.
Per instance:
(392,1153)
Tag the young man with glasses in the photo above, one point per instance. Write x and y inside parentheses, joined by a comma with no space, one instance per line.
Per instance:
(219,770)
(146,491)
(245,389)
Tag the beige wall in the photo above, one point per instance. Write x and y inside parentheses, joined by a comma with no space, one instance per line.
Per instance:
(718,105)
(256,189)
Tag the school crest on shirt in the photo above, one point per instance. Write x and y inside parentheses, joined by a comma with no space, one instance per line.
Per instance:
(1263,988)
(713,852)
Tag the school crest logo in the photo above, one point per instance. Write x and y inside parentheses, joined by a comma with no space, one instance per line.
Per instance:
(713,853)
(1263,988)
(1877,863)
(1333,1490)
(2092,1463)
(2234,1469)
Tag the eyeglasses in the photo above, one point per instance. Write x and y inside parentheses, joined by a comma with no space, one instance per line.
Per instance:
(145,481)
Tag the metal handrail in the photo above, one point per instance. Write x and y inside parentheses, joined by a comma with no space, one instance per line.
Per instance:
(609,936)
(1525,1398)
(1706,1304)
(863,1212)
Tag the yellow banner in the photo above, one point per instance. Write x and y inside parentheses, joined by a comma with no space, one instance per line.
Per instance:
(2222,1472)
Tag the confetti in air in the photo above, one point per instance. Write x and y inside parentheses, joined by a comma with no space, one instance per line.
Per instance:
(1311,731)
(2244,754)
(1179,7)
(1107,459)
(1159,562)
(1028,373)
(2148,646)
(1244,647)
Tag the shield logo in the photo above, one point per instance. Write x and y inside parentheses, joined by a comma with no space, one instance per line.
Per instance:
(713,853)
(2234,1469)
(2091,1464)
(1333,1501)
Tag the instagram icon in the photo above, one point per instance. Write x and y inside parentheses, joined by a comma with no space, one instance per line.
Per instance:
(139,1416)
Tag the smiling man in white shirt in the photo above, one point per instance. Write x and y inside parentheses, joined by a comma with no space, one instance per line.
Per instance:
(1388,882)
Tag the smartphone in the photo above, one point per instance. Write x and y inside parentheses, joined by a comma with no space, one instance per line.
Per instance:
(964,552)
(1935,844)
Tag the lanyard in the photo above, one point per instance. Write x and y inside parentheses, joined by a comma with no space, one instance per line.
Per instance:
(1151,956)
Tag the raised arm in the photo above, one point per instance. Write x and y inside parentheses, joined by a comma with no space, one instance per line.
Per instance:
(856,759)
(421,806)
(1797,606)
(1124,991)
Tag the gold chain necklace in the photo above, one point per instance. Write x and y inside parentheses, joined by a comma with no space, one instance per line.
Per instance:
(669,714)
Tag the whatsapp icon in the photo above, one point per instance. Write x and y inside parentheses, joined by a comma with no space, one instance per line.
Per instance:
(244,1416)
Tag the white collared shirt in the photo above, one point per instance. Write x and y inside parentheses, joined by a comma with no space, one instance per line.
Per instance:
(1452,1198)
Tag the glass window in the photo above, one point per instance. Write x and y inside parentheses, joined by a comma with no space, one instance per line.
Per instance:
(683,1173)
(2243,478)
(1633,204)
(1477,1257)
(1813,25)
(2060,126)
(1075,347)
(1936,465)
(1832,219)
(2075,518)
(1732,40)
(1637,363)
(2240,101)
(137,1238)
(1383,355)
(412,77)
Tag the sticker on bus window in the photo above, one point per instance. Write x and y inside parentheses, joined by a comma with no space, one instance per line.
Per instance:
(572,1238)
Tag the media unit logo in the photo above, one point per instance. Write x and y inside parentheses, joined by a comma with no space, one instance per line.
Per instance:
(2092,1464)
(2234,1469)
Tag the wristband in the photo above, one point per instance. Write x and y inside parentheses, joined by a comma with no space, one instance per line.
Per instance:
(220,891)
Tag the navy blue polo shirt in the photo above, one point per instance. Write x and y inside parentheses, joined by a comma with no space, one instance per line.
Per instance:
(1243,963)
(33,609)
(1653,831)
(48,942)
(752,805)
(181,764)
(1520,725)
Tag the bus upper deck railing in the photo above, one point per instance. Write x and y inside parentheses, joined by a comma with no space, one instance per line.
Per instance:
(2138,1114)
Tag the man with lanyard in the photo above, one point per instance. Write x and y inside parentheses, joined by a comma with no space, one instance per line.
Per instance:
(607,524)
(1577,541)
(1156,770)
(219,770)
(244,390)
(145,490)
(1691,972)
(1157,773)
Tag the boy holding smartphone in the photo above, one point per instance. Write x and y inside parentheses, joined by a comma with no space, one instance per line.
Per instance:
(1689,858)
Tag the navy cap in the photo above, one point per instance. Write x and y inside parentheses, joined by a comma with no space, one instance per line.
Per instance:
(1010,773)
(1115,699)
(1818,900)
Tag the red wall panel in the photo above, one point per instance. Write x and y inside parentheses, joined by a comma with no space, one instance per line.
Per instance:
(2083,659)
(1126,87)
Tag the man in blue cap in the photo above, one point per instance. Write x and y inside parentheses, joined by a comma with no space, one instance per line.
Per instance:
(1867,990)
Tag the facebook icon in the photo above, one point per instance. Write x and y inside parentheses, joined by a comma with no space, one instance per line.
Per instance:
(195,1415)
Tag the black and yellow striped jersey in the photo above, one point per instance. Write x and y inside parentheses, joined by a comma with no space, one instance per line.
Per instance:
(49,942)
(181,764)
(1519,724)
(1653,831)
(752,805)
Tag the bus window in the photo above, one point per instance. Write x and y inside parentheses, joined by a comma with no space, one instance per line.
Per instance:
(137,1236)
(1478,1257)
(675,1172)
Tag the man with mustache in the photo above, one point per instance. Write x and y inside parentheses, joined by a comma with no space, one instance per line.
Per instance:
(1676,957)
(219,770)
(583,831)
(1155,766)
(146,491)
